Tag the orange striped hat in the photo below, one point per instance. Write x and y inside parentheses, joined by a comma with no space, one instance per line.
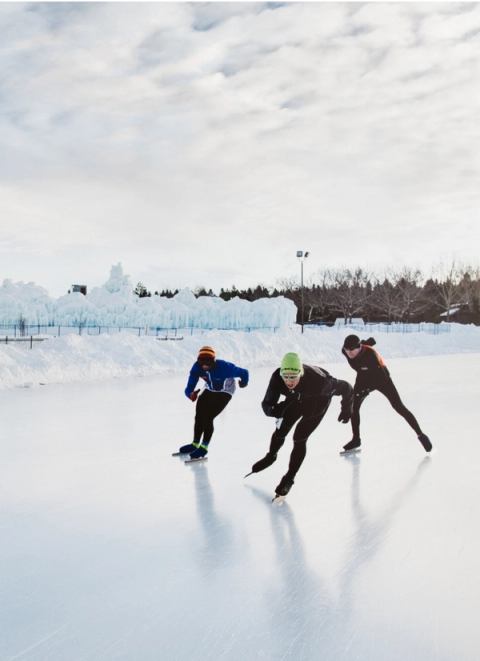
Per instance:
(206,355)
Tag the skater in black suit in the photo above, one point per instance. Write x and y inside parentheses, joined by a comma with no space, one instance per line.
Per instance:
(307,392)
(372,374)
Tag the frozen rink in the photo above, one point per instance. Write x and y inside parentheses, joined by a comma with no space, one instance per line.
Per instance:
(114,550)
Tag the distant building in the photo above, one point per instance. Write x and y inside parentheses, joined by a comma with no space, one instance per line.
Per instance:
(80,288)
(461,314)
(452,312)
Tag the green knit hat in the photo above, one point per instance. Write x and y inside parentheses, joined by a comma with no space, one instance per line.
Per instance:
(291,363)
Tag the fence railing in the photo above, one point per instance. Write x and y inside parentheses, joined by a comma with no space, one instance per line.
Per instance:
(399,327)
(32,333)
(19,331)
(30,340)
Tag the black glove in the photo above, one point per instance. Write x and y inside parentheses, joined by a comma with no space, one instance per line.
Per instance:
(277,410)
(370,342)
(242,384)
(345,413)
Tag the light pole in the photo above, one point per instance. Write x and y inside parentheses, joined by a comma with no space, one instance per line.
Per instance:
(302,256)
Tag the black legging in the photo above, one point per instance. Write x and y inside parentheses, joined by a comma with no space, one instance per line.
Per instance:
(388,389)
(308,423)
(209,405)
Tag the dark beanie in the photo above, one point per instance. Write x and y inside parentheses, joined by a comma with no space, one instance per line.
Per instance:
(351,342)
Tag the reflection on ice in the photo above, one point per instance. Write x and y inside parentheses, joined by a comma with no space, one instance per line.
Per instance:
(315,618)
(214,547)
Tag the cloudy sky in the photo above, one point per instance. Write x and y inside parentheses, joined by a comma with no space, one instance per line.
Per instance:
(204,143)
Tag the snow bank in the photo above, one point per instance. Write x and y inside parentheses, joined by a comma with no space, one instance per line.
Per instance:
(90,358)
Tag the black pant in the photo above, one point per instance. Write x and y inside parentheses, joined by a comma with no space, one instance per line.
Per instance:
(388,389)
(209,405)
(308,423)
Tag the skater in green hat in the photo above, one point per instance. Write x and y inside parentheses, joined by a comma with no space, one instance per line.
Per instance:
(307,392)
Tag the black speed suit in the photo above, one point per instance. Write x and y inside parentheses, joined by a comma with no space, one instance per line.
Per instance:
(372,374)
(307,403)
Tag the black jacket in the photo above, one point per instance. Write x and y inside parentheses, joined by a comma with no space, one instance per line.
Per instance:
(313,393)
(370,368)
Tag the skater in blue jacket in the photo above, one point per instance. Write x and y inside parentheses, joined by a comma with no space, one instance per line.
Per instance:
(219,377)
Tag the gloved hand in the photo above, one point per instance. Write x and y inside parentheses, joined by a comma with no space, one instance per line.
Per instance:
(193,395)
(277,410)
(345,411)
(242,384)
(370,342)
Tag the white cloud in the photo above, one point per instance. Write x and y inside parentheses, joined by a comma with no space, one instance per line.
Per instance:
(152,130)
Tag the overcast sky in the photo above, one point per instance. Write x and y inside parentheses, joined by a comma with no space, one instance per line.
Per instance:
(203,144)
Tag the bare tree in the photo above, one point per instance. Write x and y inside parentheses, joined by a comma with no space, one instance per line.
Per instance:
(351,292)
(384,296)
(470,291)
(410,301)
(288,284)
(318,297)
(447,287)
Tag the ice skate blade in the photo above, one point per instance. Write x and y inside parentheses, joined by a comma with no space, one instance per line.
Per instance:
(278,500)
(354,451)
(196,461)
(179,454)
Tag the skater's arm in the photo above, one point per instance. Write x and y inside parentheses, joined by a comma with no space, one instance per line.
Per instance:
(372,369)
(337,387)
(372,360)
(270,404)
(345,391)
(230,371)
(333,387)
(192,380)
(241,374)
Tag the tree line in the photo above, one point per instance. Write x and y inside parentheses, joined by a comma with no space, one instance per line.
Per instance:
(405,295)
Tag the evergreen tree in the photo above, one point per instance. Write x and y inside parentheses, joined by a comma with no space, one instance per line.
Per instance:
(141,291)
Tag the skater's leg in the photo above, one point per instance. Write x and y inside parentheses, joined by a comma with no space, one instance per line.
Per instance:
(201,409)
(216,403)
(359,396)
(393,397)
(300,437)
(297,456)
(302,432)
(276,441)
(208,407)
(201,415)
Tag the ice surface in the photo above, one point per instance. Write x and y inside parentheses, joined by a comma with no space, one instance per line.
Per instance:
(114,550)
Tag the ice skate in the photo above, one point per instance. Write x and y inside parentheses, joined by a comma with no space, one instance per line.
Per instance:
(425,441)
(352,446)
(199,454)
(185,449)
(286,483)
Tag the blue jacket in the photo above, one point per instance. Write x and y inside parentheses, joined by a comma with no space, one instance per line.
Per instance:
(220,378)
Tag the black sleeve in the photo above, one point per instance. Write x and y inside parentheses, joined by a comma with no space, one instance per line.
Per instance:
(270,404)
(343,389)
